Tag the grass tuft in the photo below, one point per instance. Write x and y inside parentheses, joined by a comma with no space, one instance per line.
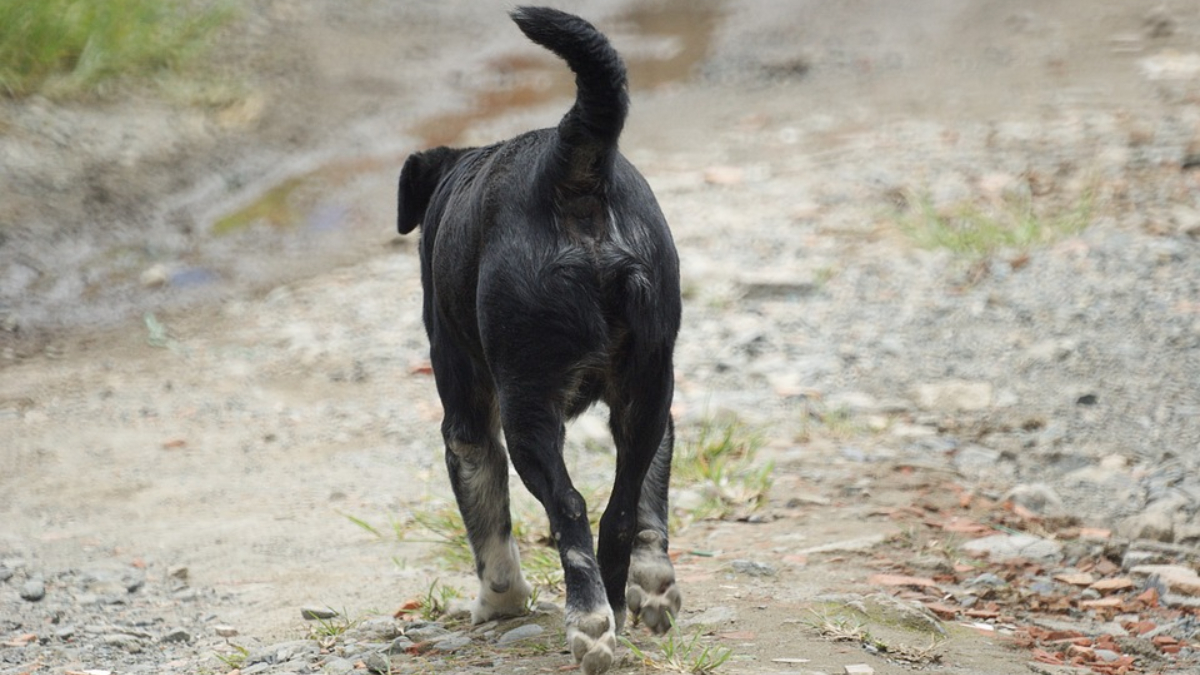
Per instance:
(720,463)
(70,47)
(977,232)
(680,654)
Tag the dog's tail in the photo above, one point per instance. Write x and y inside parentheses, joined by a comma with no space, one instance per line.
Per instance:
(587,135)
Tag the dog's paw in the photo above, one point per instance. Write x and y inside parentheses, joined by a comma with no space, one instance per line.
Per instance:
(652,595)
(593,640)
(498,603)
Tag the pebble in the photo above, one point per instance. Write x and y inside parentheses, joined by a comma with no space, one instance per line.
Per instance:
(176,635)
(452,643)
(314,612)
(954,396)
(1006,546)
(378,663)
(752,568)
(519,633)
(5,574)
(127,642)
(33,590)
(400,645)
(1179,579)
(225,631)
(421,632)
(379,629)
(336,665)
(1037,497)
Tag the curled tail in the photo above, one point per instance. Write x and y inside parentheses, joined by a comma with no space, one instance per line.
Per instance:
(587,135)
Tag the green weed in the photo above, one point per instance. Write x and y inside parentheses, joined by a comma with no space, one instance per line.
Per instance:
(235,659)
(437,600)
(327,630)
(66,47)
(974,231)
(680,654)
(720,463)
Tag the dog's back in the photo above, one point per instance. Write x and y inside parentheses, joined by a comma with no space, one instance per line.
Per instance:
(578,252)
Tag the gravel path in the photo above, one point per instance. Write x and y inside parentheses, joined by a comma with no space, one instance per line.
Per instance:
(173,488)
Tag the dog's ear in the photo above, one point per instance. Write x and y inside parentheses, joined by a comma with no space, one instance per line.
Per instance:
(418,179)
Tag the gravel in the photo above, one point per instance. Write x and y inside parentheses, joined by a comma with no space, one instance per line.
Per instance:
(1063,377)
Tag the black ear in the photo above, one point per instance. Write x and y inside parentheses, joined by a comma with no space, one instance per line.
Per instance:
(418,179)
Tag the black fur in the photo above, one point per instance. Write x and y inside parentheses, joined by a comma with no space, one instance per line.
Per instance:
(551,283)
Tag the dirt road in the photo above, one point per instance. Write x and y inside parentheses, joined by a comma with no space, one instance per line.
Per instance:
(214,406)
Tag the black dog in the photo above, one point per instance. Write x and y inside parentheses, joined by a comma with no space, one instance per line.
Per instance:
(551,282)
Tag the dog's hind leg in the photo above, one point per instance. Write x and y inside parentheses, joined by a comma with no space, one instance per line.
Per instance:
(533,426)
(479,476)
(653,595)
(633,532)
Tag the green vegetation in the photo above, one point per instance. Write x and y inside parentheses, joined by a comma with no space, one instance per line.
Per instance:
(976,232)
(437,600)
(679,654)
(235,659)
(70,47)
(720,463)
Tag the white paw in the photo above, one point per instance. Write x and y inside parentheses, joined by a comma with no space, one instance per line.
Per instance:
(652,595)
(593,640)
(511,601)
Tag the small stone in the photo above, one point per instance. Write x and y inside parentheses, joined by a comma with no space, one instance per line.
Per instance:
(954,396)
(1132,558)
(452,643)
(519,633)
(752,568)
(1007,546)
(1179,580)
(5,574)
(1106,654)
(179,572)
(176,635)
(1037,497)
(378,663)
(33,590)
(225,631)
(399,646)
(252,669)
(425,631)
(380,629)
(65,632)
(313,612)
(155,276)
(338,666)
(126,642)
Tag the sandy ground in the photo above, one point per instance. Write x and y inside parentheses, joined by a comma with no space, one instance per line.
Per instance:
(212,350)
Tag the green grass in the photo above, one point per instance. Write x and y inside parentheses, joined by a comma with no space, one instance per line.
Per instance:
(66,48)
(235,659)
(719,462)
(974,231)
(680,654)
